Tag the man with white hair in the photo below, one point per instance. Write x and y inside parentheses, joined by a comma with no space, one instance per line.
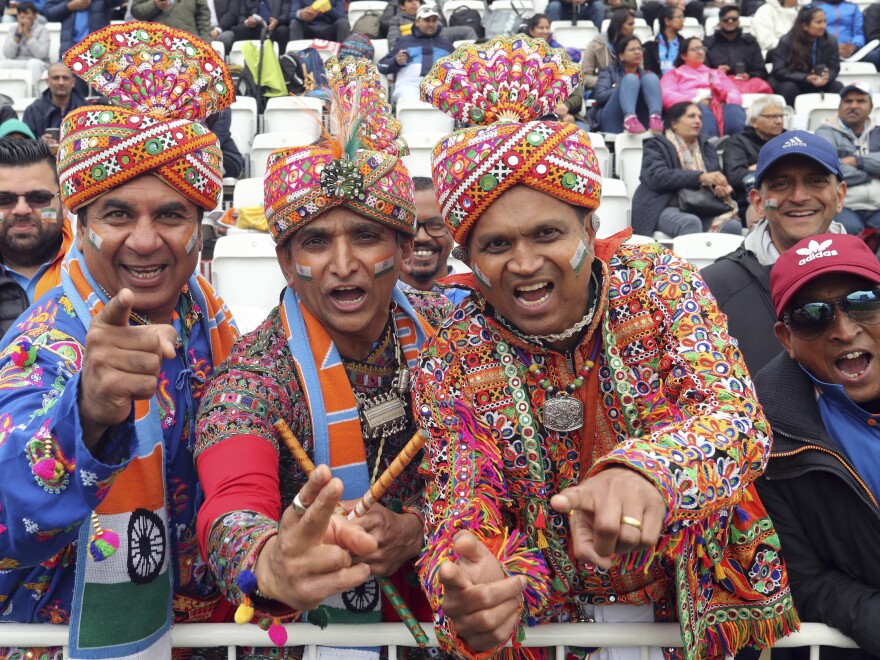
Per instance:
(764,120)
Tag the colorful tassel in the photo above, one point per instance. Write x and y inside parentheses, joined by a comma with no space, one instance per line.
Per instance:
(104,542)
(247,584)
(24,354)
(48,469)
(277,633)
(244,613)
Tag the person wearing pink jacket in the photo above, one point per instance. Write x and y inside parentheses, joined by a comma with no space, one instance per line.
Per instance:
(717,97)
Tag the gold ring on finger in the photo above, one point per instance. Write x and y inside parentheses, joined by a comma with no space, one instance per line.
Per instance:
(628,520)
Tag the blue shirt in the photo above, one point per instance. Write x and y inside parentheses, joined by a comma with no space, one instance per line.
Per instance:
(854,430)
(28,284)
(80,25)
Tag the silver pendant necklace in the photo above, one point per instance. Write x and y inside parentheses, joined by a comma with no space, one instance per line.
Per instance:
(384,414)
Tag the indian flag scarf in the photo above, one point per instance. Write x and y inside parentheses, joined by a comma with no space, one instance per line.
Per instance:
(338,439)
(122,603)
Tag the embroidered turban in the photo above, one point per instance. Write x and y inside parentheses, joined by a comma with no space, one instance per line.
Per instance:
(357,164)
(505,86)
(160,83)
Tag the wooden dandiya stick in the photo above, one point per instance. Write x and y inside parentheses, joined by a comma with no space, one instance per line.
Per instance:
(383,483)
(385,584)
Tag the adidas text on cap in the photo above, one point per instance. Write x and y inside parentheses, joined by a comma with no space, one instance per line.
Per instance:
(816,256)
(797,143)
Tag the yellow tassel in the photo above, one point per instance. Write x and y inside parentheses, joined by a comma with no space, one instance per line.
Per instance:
(542,541)
(700,552)
(719,572)
(244,613)
(747,496)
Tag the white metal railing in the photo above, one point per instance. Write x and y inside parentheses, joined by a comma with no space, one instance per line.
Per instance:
(554,636)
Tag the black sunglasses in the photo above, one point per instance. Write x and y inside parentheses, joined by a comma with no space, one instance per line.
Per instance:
(34,199)
(811,320)
(730,19)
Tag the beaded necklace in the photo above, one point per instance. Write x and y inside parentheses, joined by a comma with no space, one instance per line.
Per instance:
(562,411)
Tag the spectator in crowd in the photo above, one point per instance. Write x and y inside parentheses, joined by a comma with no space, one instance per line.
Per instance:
(406,15)
(34,231)
(857,141)
(581,10)
(718,99)
(806,59)
(414,55)
(306,22)
(538,26)
(871,18)
(627,97)
(45,114)
(226,15)
(652,11)
(431,246)
(798,192)
(341,343)
(585,369)
(27,46)
(821,397)
(737,54)
(220,124)
(99,455)
(680,158)
(600,53)
(256,16)
(766,120)
(772,21)
(16,128)
(661,53)
(192,16)
(79,19)
(846,23)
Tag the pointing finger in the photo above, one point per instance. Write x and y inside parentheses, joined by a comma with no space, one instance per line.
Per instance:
(117,311)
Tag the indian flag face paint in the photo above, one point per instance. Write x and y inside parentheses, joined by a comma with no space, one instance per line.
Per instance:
(579,257)
(94,240)
(49,215)
(771,204)
(481,276)
(383,266)
(304,272)
(193,240)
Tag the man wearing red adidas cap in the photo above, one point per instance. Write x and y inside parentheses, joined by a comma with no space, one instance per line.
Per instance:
(822,398)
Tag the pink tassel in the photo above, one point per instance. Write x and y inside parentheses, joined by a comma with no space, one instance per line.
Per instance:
(47,469)
(277,634)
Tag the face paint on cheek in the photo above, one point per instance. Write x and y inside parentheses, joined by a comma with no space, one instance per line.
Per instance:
(481,276)
(383,266)
(771,204)
(579,257)
(94,240)
(48,215)
(193,240)
(303,271)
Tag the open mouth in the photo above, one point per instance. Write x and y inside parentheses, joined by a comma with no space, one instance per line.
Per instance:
(532,295)
(348,295)
(424,253)
(144,273)
(853,365)
(800,213)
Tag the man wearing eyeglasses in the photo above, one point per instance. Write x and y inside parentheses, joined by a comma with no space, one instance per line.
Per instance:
(822,399)
(431,247)
(737,54)
(799,189)
(34,232)
(857,140)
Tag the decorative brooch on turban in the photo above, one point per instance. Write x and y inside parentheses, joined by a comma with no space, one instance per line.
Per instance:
(505,86)
(356,164)
(161,83)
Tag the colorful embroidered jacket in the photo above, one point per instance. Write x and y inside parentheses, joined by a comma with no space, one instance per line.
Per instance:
(41,518)
(249,474)
(670,398)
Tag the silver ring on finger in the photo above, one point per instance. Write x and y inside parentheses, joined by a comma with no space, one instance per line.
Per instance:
(297,505)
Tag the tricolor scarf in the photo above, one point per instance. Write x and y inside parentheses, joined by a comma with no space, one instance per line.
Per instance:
(122,605)
(338,437)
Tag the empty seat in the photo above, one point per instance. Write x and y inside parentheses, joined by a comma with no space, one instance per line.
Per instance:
(704,248)
(614,209)
(293,114)
(248,192)
(16,83)
(419,117)
(573,36)
(244,123)
(245,270)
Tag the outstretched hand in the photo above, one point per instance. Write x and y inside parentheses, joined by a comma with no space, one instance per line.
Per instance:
(122,364)
(599,505)
(482,602)
(310,558)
